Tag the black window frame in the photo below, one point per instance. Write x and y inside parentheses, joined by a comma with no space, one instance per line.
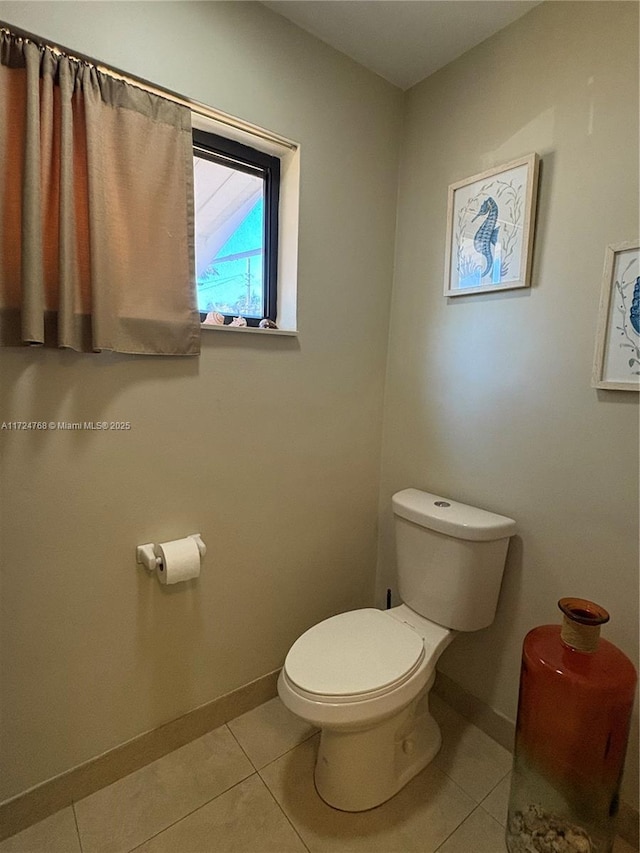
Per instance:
(228,152)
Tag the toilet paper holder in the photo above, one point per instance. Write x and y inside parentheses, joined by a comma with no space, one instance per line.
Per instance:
(146,554)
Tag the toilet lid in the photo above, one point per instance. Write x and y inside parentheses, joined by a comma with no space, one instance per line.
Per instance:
(362,651)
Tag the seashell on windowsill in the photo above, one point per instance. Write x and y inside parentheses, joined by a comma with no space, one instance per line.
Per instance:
(214,318)
(238,321)
(267,324)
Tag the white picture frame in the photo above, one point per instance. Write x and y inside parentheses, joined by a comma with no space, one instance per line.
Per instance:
(616,361)
(490,226)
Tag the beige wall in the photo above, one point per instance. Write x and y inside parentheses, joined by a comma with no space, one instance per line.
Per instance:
(488,397)
(269,448)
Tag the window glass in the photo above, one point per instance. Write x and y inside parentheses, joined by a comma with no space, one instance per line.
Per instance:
(236,218)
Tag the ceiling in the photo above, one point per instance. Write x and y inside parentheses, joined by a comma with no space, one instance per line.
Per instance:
(402,40)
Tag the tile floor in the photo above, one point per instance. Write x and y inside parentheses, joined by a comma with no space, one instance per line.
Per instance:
(247,787)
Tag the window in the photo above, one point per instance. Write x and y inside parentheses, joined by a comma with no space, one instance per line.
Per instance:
(237,192)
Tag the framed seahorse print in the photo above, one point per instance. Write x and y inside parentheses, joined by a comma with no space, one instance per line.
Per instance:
(616,363)
(490,225)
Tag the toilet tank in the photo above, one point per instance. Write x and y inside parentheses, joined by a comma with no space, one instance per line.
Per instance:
(450,558)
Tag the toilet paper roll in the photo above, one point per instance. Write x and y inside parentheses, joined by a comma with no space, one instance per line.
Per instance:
(180,560)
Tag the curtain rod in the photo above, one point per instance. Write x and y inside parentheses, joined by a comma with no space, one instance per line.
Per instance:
(195,106)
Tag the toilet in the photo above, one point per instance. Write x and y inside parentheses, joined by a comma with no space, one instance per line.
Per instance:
(363,677)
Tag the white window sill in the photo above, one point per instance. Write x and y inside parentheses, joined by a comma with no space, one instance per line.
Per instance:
(251,330)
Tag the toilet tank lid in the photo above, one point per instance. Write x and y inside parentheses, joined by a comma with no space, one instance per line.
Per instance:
(450,517)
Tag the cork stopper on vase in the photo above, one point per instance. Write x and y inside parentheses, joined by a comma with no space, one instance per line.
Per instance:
(581,624)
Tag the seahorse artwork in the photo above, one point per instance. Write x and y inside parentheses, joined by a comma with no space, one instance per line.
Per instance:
(634,311)
(487,235)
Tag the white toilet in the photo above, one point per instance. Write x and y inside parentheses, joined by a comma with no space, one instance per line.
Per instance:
(363,677)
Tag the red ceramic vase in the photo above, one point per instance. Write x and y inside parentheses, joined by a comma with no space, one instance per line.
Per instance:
(574,712)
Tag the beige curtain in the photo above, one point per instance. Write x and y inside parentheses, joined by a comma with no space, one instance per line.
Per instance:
(96,209)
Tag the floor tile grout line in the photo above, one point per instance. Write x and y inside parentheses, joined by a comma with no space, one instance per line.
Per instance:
(277,757)
(255,772)
(193,811)
(467,793)
(287,751)
(475,806)
(75,820)
(453,831)
(244,751)
(473,811)
(491,817)
(187,814)
(286,816)
(499,782)
(493,789)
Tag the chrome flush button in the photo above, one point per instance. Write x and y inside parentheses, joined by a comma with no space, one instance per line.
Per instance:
(441,503)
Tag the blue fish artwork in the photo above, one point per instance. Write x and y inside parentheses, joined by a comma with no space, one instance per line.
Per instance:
(487,234)
(634,311)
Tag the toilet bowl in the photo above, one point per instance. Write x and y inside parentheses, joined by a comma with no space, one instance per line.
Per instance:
(363,677)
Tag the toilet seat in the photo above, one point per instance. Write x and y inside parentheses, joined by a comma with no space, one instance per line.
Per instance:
(354,656)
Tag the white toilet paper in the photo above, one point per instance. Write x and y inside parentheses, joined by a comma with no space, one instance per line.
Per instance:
(180,560)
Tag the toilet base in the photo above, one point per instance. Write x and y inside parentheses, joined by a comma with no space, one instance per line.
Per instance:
(357,770)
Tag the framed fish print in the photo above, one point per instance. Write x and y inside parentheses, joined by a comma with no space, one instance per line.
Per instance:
(490,224)
(616,363)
